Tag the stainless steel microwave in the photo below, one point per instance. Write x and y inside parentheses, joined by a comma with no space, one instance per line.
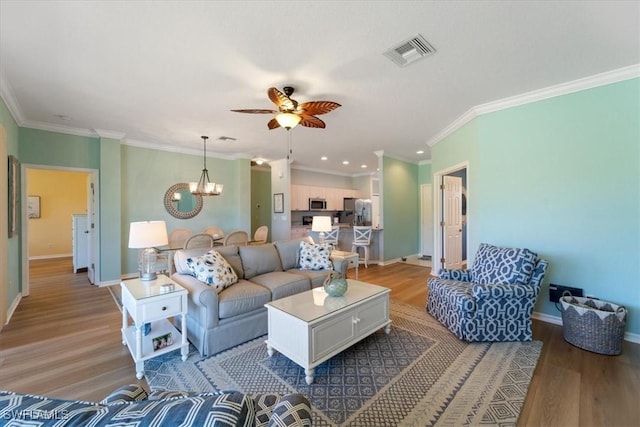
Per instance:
(317,204)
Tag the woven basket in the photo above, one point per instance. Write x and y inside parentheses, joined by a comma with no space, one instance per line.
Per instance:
(593,324)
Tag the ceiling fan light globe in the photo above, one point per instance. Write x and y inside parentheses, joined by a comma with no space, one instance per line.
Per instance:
(288,120)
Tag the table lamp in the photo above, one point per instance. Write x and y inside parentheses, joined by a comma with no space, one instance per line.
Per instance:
(321,224)
(144,235)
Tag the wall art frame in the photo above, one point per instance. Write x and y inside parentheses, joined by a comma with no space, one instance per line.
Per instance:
(13,214)
(278,203)
(33,206)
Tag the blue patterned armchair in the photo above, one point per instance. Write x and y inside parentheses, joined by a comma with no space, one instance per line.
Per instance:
(493,300)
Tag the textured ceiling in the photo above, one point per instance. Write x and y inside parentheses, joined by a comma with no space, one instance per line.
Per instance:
(164,73)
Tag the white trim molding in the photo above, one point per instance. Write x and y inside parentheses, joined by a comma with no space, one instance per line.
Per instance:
(602,79)
(13,307)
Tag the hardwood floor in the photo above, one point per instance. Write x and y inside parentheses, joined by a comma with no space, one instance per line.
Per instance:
(64,341)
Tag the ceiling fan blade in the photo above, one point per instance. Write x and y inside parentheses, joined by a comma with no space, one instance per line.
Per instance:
(256,111)
(273,123)
(311,121)
(314,108)
(282,101)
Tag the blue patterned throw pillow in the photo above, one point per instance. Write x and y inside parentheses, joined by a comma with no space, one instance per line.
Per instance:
(213,270)
(503,266)
(315,257)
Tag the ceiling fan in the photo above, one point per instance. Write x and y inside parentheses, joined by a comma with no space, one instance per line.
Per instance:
(289,113)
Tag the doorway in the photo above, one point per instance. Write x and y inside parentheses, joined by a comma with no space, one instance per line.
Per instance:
(60,193)
(450,208)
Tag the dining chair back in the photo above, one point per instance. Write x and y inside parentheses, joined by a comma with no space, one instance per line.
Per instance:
(199,240)
(216,232)
(260,236)
(178,237)
(237,237)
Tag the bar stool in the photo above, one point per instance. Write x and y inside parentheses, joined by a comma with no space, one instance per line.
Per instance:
(362,239)
(332,236)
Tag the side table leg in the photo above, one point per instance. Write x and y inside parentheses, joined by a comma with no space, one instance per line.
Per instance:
(139,361)
(309,375)
(185,343)
(125,321)
(140,369)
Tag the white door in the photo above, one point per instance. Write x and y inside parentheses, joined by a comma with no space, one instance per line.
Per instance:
(91,234)
(80,242)
(452,214)
(426,219)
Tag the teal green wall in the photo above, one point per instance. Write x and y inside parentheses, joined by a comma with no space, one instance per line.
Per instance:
(560,177)
(424,173)
(41,147)
(110,210)
(13,244)
(147,174)
(260,199)
(401,200)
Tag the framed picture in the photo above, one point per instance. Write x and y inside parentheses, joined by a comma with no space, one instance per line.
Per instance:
(33,206)
(13,196)
(162,341)
(278,203)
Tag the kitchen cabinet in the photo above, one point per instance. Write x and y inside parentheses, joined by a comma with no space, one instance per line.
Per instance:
(300,195)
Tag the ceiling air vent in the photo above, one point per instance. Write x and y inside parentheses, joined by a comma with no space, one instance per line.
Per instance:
(410,51)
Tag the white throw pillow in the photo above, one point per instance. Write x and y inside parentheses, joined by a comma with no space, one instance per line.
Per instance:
(315,257)
(213,270)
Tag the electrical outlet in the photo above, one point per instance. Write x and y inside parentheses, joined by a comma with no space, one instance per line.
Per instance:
(557,291)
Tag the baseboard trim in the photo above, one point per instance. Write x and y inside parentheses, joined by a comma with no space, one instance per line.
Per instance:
(13,307)
(557,320)
(32,258)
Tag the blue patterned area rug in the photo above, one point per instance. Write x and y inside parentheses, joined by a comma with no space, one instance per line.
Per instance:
(418,375)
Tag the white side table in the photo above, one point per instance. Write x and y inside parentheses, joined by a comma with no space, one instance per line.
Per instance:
(153,302)
(351,257)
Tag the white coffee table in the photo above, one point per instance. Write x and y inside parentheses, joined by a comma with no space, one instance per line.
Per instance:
(311,327)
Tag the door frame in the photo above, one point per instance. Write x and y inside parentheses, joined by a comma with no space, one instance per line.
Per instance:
(25,223)
(436,265)
(426,220)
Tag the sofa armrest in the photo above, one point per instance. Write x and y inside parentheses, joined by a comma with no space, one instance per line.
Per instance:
(340,266)
(461,275)
(504,291)
(203,299)
(282,410)
(127,393)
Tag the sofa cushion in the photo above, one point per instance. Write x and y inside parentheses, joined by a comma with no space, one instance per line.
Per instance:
(315,256)
(259,259)
(289,252)
(315,276)
(282,284)
(213,269)
(241,298)
(503,266)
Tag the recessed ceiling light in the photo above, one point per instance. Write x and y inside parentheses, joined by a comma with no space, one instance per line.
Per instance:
(259,161)
(323,158)
(363,166)
(420,152)
(346,162)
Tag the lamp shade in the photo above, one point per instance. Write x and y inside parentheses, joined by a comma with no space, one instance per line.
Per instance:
(147,234)
(321,223)
(288,120)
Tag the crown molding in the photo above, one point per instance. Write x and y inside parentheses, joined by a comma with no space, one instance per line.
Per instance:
(51,127)
(183,150)
(10,100)
(597,80)
(424,162)
(109,134)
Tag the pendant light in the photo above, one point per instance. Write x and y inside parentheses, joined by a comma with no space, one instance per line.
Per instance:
(204,187)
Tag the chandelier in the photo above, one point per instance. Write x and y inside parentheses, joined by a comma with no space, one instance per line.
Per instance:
(204,187)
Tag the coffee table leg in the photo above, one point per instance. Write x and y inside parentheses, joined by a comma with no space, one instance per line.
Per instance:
(269,350)
(387,329)
(309,375)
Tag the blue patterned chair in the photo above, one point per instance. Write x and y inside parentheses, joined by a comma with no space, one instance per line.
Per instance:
(493,300)
(131,405)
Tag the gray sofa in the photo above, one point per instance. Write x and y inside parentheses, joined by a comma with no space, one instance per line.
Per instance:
(132,405)
(216,322)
